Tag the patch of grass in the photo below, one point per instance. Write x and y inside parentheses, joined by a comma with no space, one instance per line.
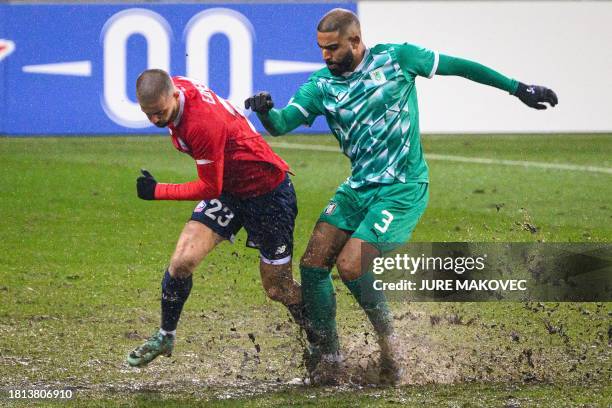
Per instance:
(82,257)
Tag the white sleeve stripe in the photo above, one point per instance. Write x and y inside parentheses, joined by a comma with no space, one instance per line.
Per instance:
(301,109)
(435,65)
(203,161)
(282,261)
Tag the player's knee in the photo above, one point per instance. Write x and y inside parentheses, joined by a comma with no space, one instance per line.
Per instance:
(348,269)
(184,262)
(306,261)
(181,268)
(274,293)
(309,260)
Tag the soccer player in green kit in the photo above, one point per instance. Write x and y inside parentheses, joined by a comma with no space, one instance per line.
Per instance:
(369,100)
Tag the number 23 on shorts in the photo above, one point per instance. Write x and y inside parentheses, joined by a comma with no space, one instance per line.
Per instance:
(222,219)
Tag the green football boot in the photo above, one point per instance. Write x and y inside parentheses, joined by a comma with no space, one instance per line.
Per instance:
(157,345)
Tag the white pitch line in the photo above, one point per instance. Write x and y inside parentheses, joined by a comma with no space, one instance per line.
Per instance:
(463,159)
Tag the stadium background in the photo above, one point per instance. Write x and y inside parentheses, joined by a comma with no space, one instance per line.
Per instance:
(88,55)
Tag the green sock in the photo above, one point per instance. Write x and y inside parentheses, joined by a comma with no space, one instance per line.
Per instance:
(320,302)
(373,302)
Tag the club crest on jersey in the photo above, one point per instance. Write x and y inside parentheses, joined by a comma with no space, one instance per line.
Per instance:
(378,76)
(6,48)
(331,207)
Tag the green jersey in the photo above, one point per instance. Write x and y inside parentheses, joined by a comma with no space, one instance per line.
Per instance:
(373,112)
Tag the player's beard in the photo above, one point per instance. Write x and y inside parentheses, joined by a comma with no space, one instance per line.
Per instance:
(342,66)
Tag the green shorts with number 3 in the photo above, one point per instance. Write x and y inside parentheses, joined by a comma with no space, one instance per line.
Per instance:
(380,214)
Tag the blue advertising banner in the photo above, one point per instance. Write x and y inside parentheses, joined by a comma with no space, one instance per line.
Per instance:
(71,69)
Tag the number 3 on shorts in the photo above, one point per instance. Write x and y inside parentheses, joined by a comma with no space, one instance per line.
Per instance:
(387,218)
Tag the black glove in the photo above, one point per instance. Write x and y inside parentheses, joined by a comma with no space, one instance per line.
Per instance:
(260,103)
(533,96)
(145,185)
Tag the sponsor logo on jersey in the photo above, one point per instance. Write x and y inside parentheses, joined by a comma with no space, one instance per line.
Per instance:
(6,48)
(331,207)
(378,76)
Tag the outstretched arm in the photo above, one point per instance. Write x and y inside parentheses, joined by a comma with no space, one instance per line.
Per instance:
(532,95)
(280,121)
(276,121)
(302,109)
(476,72)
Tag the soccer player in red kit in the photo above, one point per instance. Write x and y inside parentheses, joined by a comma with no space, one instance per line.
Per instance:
(241,183)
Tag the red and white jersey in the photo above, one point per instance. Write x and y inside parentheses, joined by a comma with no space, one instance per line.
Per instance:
(231,156)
